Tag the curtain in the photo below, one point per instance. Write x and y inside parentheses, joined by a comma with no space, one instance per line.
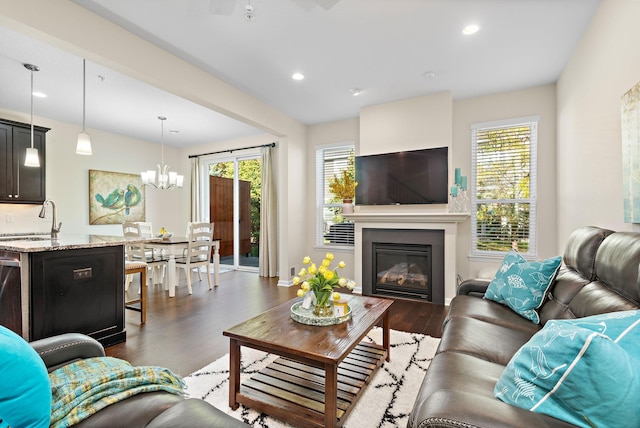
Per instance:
(196,202)
(268,265)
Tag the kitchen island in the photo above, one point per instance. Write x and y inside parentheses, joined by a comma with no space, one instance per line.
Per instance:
(73,283)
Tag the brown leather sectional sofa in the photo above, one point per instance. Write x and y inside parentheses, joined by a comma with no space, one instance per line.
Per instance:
(150,409)
(599,275)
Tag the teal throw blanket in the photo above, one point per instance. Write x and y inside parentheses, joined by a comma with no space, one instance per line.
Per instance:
(83,388)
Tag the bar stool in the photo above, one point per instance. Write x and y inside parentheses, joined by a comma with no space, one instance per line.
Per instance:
(133,267)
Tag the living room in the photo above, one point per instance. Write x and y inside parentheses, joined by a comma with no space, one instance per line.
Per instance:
(580,121)
(579,151)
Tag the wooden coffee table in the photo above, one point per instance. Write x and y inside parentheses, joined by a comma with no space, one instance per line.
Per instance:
(323,370)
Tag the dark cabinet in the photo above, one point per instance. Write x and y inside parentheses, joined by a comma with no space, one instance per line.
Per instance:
(78,290)
(19,183)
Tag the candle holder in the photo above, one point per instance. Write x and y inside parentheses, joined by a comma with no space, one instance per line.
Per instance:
(454,200)
(459,201)
(463,203)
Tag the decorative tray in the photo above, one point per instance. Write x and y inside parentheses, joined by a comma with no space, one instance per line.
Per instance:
(306,316)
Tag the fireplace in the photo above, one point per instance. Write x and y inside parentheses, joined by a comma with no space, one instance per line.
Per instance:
(436,228)
(402,270)
(405,263)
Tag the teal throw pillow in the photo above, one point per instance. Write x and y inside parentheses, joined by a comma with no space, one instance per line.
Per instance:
(25,400)
(581,371)
(522,285)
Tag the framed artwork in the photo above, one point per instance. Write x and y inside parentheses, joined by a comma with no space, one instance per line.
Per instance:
(631,154)
(115,197)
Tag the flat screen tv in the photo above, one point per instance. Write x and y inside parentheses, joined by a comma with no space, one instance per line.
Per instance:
(410,177)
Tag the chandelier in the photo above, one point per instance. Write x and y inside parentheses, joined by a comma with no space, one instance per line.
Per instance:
(162,178)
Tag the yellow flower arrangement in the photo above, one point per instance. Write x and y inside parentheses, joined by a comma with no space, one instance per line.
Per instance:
(321,279)
(343,187)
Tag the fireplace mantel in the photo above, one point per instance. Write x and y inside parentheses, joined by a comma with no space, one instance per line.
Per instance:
(446,221)
(407,217)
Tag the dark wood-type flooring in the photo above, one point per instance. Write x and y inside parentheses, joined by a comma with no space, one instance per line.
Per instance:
(184,333)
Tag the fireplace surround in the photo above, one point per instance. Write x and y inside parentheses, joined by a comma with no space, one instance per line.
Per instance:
(405,263)
(444,222)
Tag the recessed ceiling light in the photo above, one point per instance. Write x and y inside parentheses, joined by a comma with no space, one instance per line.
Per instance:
(470,29)
(297,76)
(40,95)
(355,91)
(429,74)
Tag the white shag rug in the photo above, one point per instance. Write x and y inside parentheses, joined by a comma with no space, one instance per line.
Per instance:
(386,401)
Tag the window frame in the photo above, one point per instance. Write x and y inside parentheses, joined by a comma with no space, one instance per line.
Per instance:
(321,185)
(533,122)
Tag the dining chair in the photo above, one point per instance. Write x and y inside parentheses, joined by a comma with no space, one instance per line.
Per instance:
(131,268)
(129,230)
(146,231)
(156,262)
(198,252)
(184,252)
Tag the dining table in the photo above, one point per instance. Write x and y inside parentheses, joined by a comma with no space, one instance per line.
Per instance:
(173,246)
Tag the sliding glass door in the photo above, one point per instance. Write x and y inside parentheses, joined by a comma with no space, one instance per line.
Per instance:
(234,208)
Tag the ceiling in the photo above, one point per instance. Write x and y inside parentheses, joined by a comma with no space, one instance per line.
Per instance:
(388,49)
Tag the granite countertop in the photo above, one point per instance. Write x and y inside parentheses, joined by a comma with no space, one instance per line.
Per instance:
(34,242)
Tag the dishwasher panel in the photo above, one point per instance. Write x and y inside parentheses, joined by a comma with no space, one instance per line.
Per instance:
(10,292)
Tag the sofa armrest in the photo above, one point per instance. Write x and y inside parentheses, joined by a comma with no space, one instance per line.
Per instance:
(57,351)
(195,413)
(473,287)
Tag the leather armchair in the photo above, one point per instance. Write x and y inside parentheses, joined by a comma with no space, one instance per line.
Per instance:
(151,410)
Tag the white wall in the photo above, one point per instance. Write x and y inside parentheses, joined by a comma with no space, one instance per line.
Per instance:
(340,132)
(538,101)
(411,124)
(605,65)
(67,178)
(68,26)
(588,150)
(437,120)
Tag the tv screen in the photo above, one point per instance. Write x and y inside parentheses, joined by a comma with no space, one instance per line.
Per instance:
(411,177)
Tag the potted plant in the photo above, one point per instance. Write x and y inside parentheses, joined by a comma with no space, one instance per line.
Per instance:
(344,187)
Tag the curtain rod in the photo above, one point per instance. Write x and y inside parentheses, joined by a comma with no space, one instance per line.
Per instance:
(232,150)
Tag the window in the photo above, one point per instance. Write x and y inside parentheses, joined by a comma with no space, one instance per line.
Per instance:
(332,228)
(503,191)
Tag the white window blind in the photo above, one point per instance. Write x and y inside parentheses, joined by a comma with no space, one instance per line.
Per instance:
(331,227)
(503,187)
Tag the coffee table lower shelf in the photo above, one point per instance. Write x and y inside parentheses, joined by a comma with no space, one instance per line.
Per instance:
(294,392)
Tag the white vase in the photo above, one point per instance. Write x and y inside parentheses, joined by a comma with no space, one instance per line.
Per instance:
(347,206)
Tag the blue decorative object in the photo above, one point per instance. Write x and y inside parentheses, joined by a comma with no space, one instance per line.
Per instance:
(25,400)
(522,285)
(582,371)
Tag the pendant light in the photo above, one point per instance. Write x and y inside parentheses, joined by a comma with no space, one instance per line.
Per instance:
(161,178)
(32,158)
(83,146)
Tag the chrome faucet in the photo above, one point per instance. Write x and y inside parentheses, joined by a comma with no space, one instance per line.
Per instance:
(54,229)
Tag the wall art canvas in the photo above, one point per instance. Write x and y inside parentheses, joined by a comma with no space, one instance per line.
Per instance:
(115,197)
(631,154)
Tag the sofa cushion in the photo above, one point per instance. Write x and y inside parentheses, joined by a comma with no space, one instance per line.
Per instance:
(25,400)
(581,371)
(464,306)
(522,285)
(485,340)
(581,248)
